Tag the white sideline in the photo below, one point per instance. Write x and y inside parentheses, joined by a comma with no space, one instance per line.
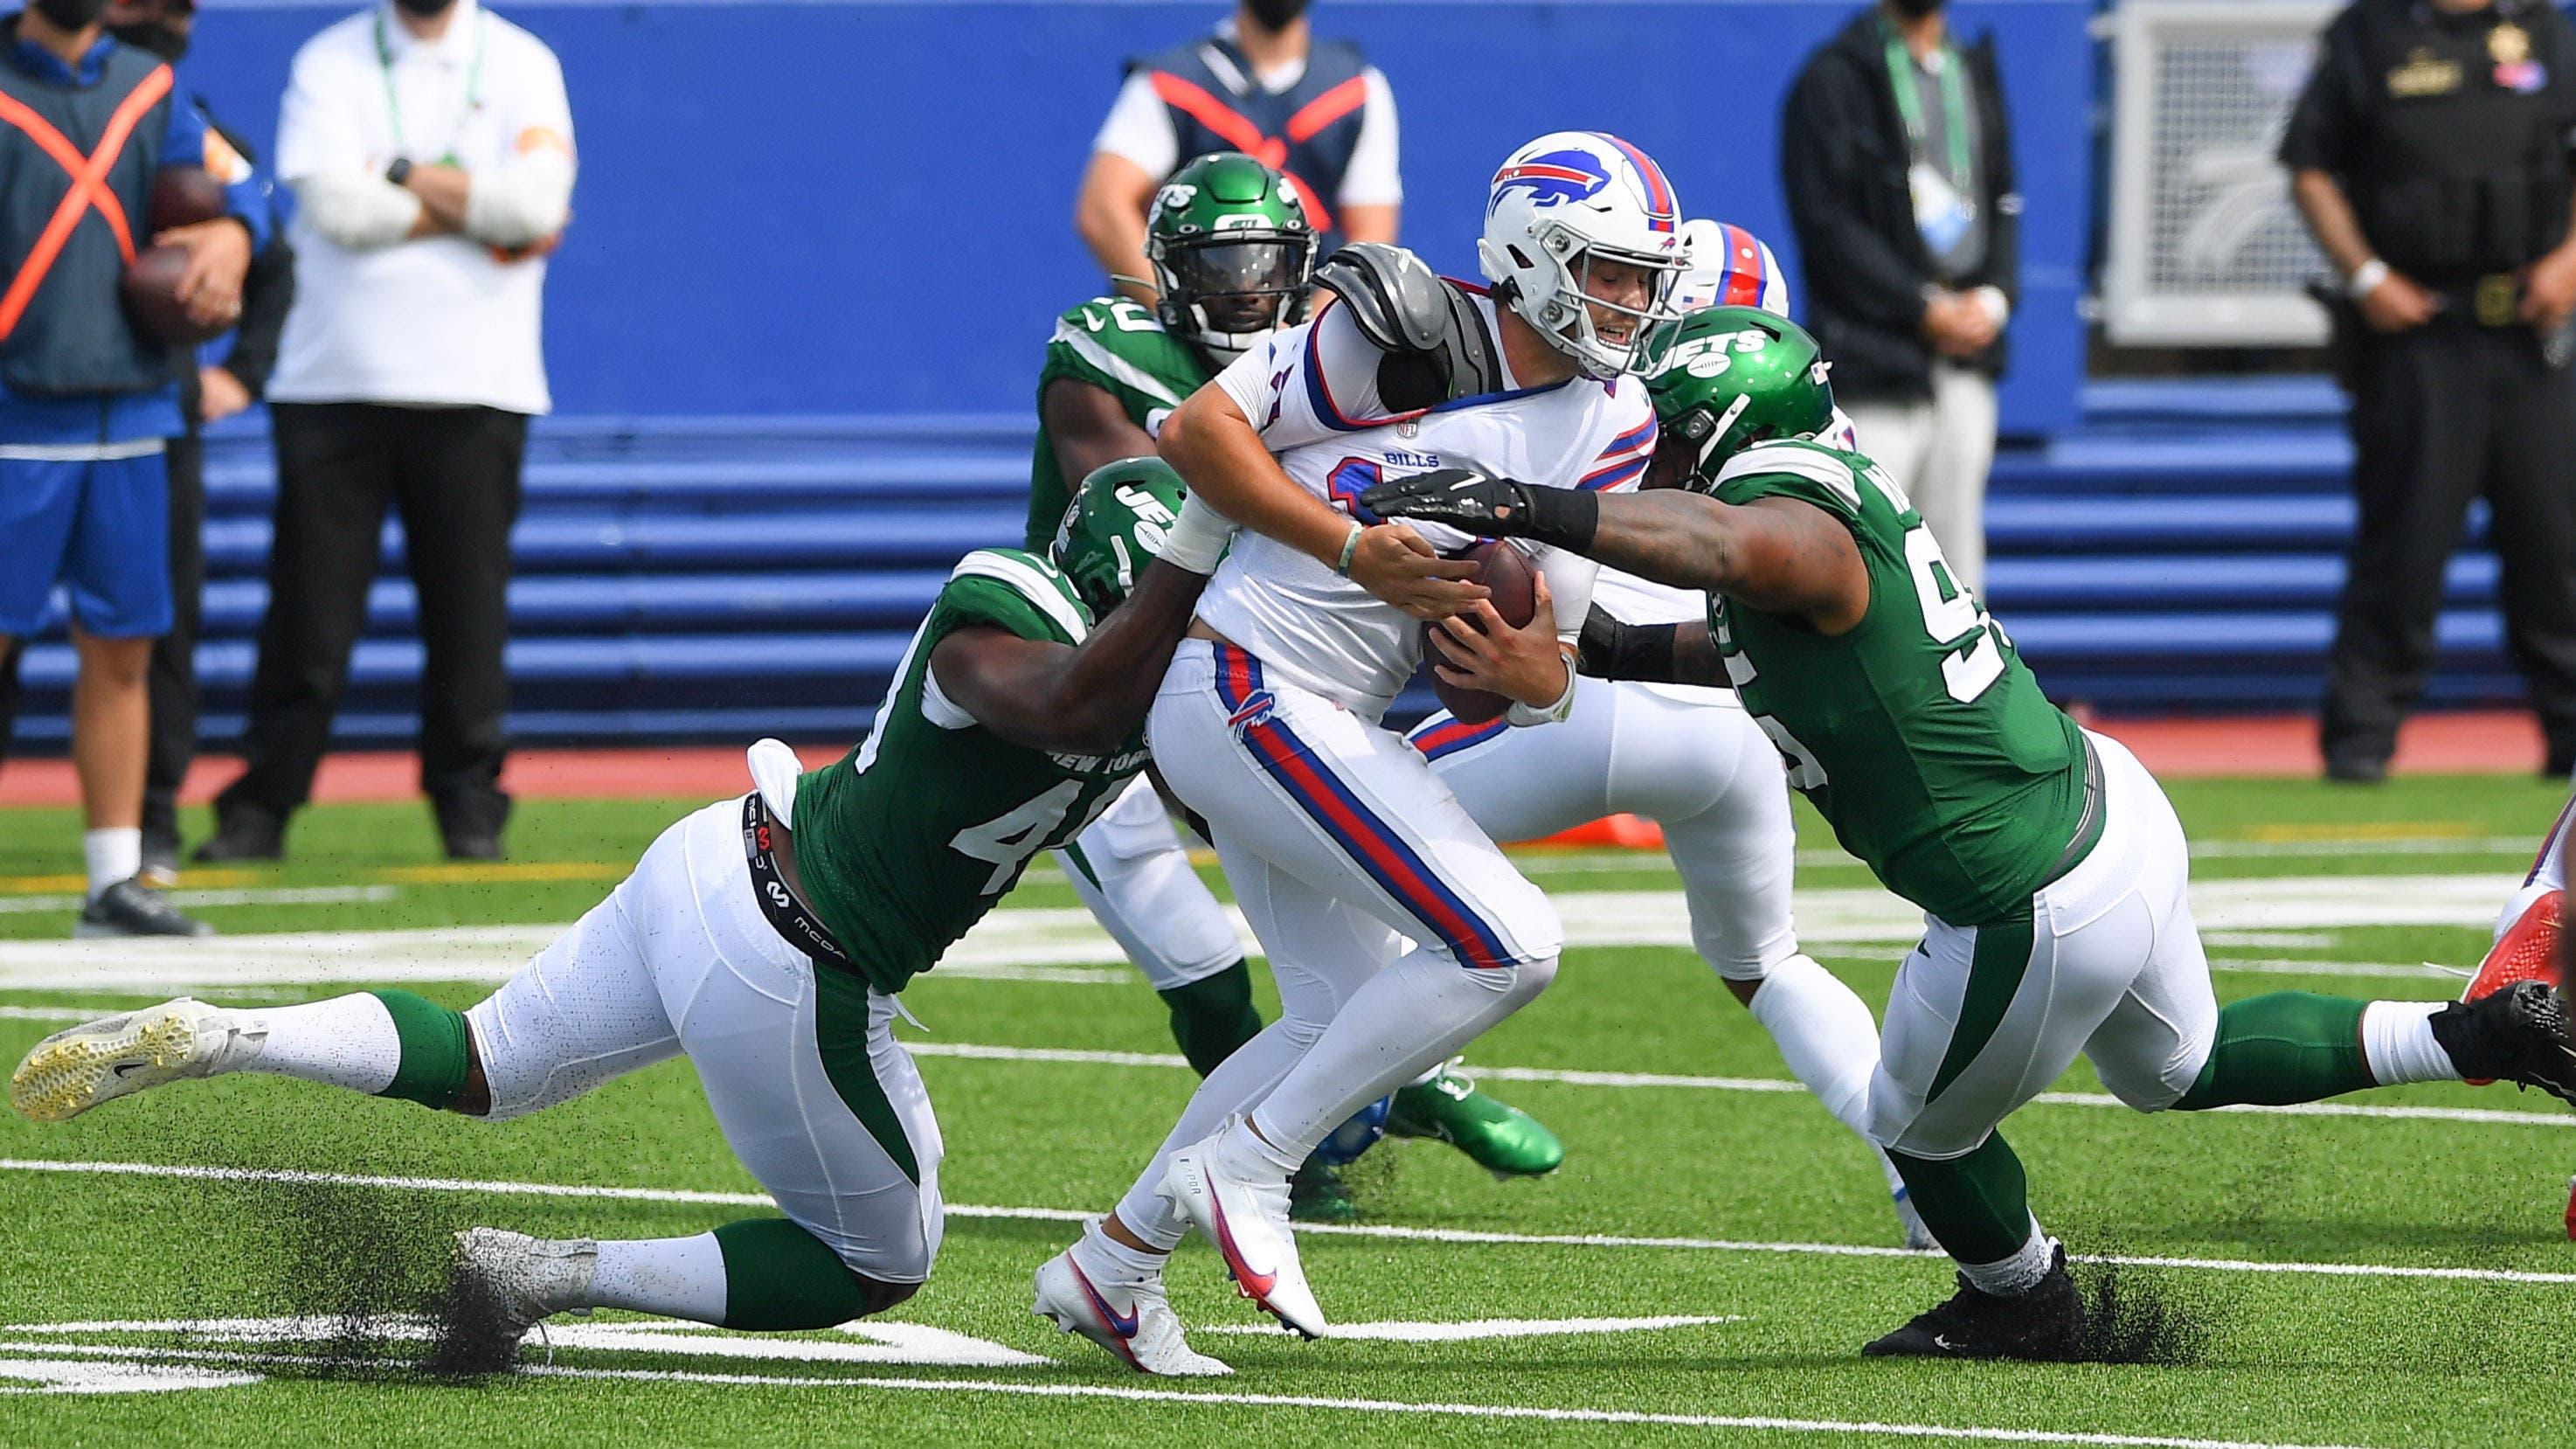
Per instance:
(1232,1399)
(1347,1230)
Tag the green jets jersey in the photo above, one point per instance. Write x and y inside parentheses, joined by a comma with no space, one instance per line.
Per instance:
(910,838)
(1117,345)
(1920,734)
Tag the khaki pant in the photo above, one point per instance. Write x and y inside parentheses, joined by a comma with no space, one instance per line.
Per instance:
(1939,452)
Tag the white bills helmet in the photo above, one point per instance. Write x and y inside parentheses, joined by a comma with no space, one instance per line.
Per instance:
(1729,267)
(1558,207)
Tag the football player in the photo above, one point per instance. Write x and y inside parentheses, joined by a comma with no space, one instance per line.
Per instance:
(766,938)
(1396,928)
(1688,758)
(2050,868)
(1233,257)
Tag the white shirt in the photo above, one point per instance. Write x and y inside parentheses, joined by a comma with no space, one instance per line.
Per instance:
(1139,129)
(438,320)
(1312,391)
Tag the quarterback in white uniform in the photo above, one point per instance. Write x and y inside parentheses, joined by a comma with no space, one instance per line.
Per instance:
(1397,930)
(1690,759)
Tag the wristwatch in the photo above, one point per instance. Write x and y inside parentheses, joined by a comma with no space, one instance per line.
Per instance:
(400,171)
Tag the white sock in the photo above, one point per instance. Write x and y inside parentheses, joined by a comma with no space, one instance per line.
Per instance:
(112,855)
(1239,1081)
(2397,1043)
(1416,1013)
(1104,1259)
(2019,1273)
(1826,1035)
(347,1041)
(1247,1154)
(674,1277)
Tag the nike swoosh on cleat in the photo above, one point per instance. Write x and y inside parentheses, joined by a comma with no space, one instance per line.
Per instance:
(1942,1341)
(1123,1327)
(1258,1285)
(123,1069)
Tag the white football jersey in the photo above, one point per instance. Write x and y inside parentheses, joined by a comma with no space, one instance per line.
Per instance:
(1632,600)
(1312,392)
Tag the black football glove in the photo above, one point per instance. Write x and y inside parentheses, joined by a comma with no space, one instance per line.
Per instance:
(1489,507)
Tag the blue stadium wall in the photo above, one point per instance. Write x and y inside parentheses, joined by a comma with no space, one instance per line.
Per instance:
(867,208)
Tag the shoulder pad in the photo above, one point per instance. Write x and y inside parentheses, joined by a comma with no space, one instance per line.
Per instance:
(1411,314)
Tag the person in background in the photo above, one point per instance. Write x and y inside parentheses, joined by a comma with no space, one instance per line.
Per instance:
(1261,84)
(87,398)
(429,145)
(1897,159)
(2430,157)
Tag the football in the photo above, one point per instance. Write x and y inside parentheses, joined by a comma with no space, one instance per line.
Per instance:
(184,196)
(151,290)
(1506,570)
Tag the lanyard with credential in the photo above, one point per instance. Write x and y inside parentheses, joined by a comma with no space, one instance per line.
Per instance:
(1954,101)
(393,102)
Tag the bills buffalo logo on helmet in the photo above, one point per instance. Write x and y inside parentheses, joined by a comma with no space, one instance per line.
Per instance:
(1552,178)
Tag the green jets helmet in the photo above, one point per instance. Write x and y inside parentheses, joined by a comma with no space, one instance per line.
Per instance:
(1232,251)
(1115,527)
(1725,378)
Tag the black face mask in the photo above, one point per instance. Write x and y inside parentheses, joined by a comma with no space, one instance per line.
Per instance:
(71,14)
(425,8)
(1275,15)
(1915,9)
(170,45)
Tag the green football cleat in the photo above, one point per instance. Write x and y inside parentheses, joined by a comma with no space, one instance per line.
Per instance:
(1316,1194)
(1502,1139)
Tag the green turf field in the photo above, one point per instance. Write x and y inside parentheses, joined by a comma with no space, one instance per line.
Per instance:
(1701,1270)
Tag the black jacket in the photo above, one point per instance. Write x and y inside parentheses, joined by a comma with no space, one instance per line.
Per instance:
(1843,162)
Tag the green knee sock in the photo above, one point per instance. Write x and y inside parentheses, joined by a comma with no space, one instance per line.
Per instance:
(1213,1016)
(434,1059)
(779,1277)
(1977,1205)
(2289,1046)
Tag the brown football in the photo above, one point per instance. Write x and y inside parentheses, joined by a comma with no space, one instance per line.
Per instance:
(151,289)
(1506,570)
(184,196)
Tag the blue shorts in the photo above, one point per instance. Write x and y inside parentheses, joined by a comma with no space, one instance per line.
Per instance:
(99,526)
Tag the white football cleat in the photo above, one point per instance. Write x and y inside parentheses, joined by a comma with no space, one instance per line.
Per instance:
(521,1280)
(79,1067)
(1248,1222)
(1146,1337)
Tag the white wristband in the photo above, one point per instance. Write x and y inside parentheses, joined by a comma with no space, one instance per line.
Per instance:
(1154,418)
(1523,715)
(1198,539)
(2365,279)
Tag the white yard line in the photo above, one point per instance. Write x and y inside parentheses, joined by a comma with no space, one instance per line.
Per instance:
(1223,1398)
(1353,1230)
(1010,943)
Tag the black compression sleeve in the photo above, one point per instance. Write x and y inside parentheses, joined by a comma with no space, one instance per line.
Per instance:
(1563,517)
(1609,649)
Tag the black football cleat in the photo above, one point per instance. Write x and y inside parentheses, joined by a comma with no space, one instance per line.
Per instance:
(2044,1325)
(131,908)
(2518,1035)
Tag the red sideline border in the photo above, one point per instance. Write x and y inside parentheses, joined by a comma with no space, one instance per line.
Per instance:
(2488,743)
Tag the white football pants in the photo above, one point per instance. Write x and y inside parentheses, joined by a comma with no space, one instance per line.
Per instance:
(1132,871)
(2106,962)
(1342,847)
(679,959)
(1940,451)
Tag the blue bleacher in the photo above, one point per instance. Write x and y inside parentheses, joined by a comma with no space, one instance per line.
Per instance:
(721,577)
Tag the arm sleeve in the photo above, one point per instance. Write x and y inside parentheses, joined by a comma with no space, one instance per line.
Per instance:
(2001,269)
(1308,383)
(1139,129)
(2320,133)
(1863,271)
(1374,177)
(267,292)
(188,141)
(356,209)
(528,197)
